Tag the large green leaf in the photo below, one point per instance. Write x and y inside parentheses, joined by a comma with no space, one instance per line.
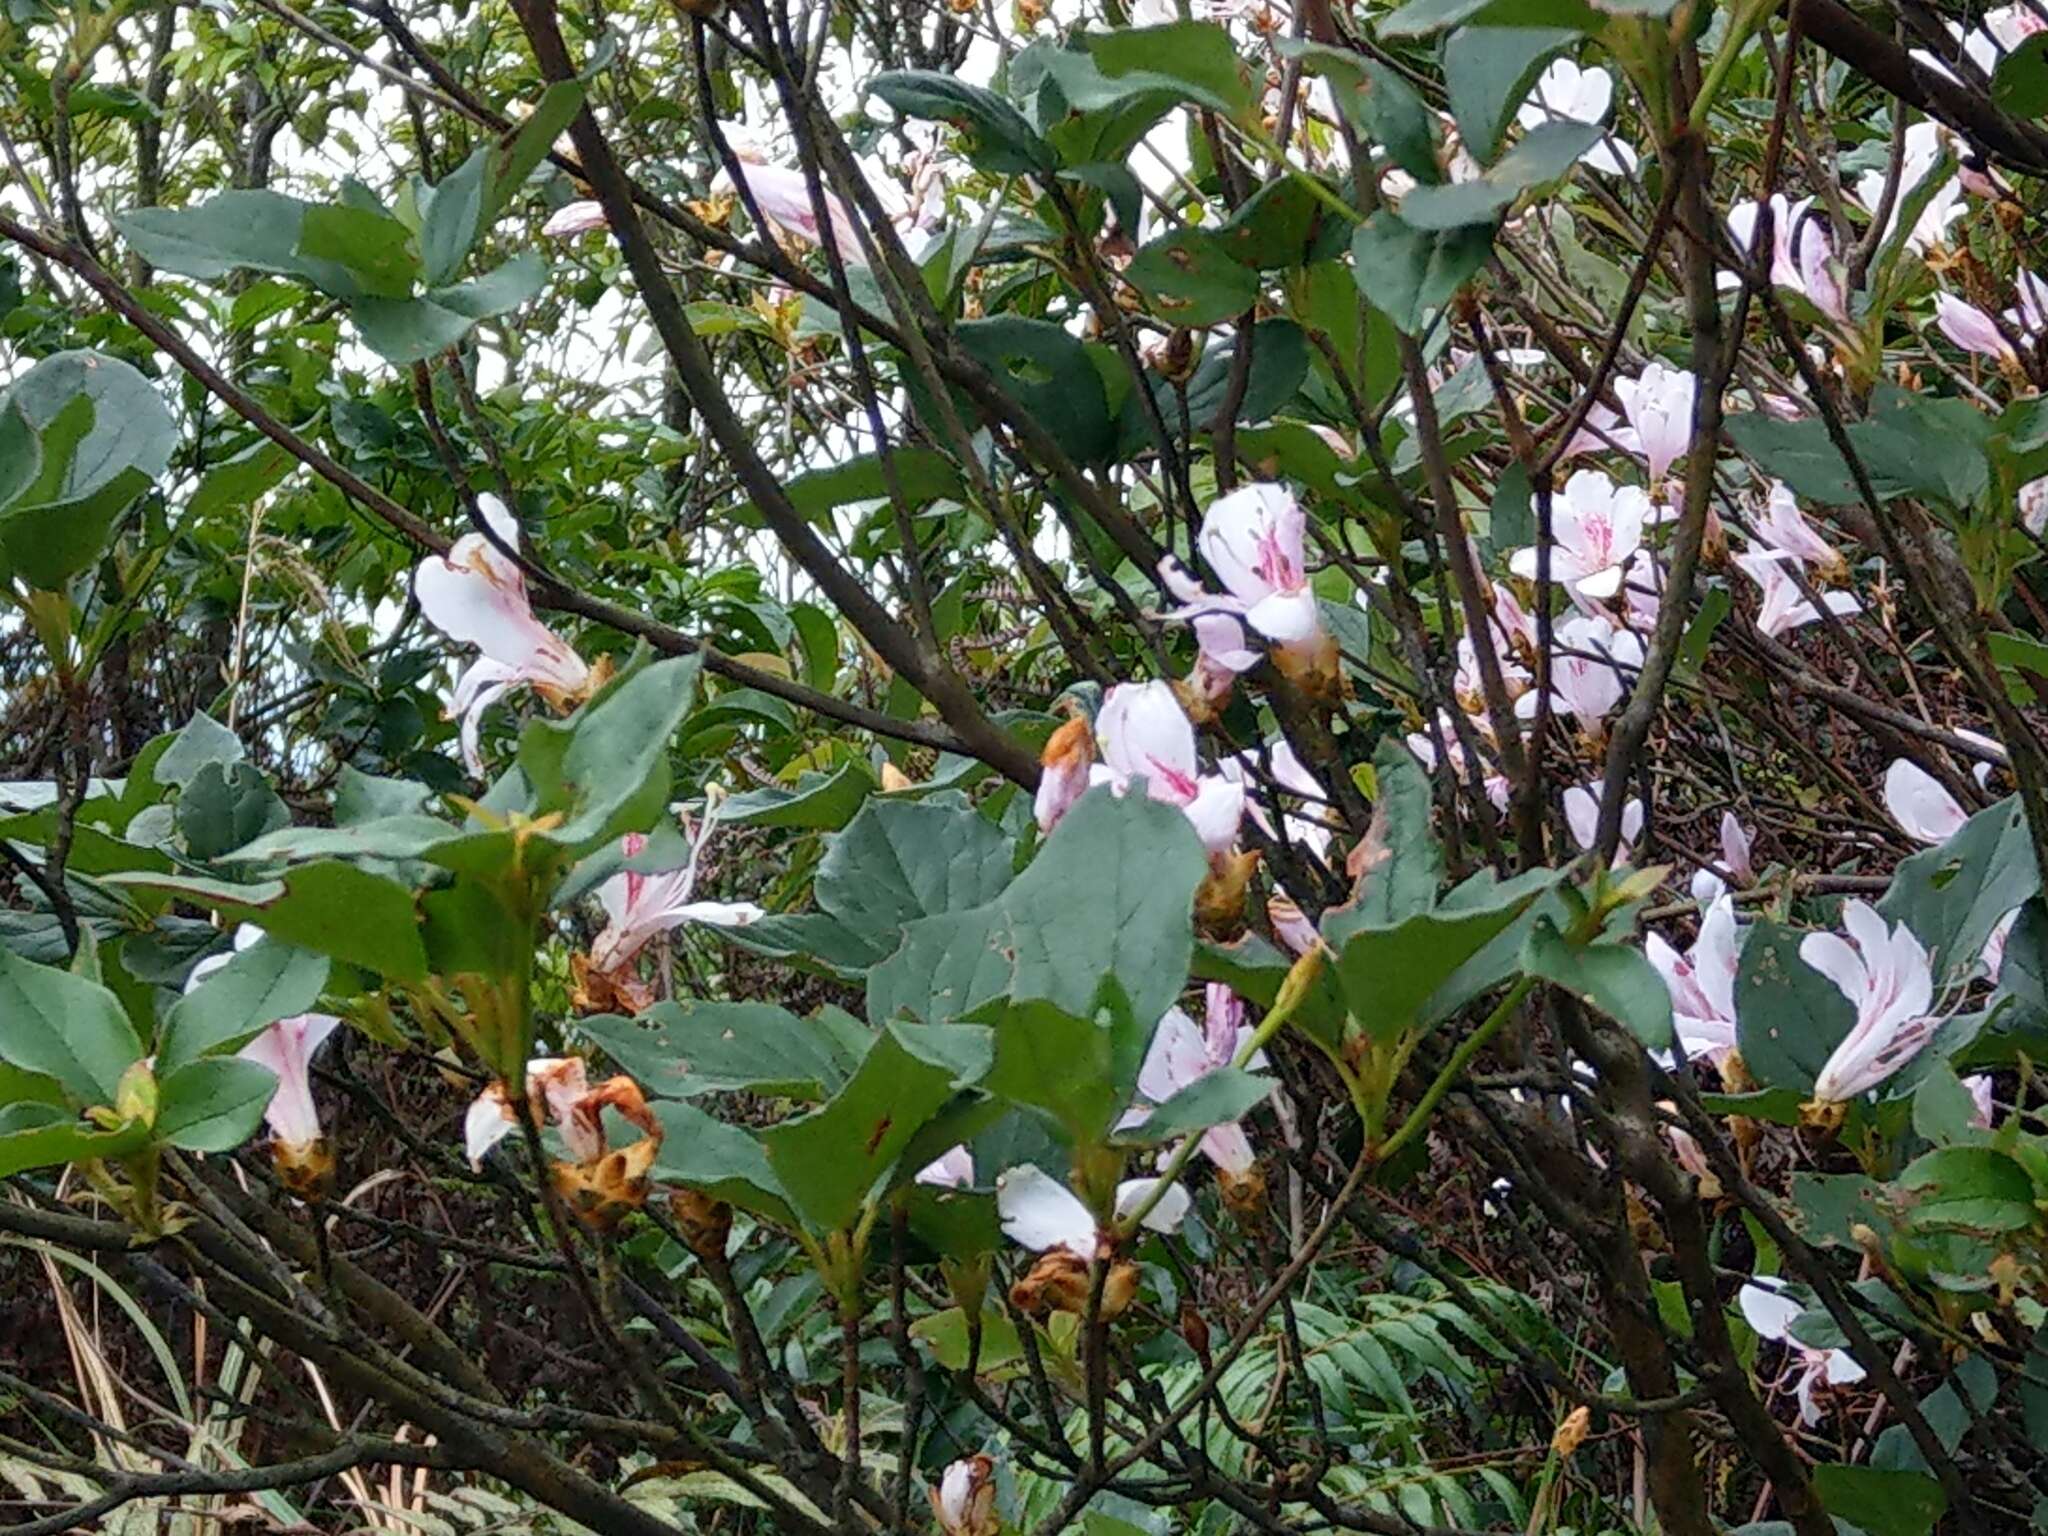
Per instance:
(1191,278)
(64,1027)
(451,216)
(1488,73)
(824,801)
(606,769)
(1612,977)
(1952,896)
(328,906)
(213,1105)
(1401,864)
(682,1049)
(898,861)
(411,330)
(374,248)
(1908,445)
(1048,374)
(226,806)
(1407,273)
(258,986)
(1000,139)
(1107,902)
(1215,1098)
(1789,1017)
(54,1142)
(1878,1501)
(1193,60)
(725,1161)
(829,1159)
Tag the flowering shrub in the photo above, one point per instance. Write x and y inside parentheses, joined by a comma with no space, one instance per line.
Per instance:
(1012,769)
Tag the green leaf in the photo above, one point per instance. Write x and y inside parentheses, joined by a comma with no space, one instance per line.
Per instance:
(1544,154)
(1194,60)
(1879,1502)
(606,769)
(1976,1189)
(1390,970)
(682,1049)
(64,1027)
(1076,1068)
(225,806)
(1943,1111)
(922,475)
(830,1158)
(514,158)
(1407,273)
(1402,864)
(1215,1098)
(407,331)
(1190,278)
(722,1160)
(213,1105)
(258,230)
(1000,139)
(948,1337)
(203,741)
(1789,1017)
(1109,900)
(1489,72)
(1400,121)
(374,248)
(57,1142)
(451,217)
(1423,17)
(258,986)
(1952,896)
(2020,82)
(899,861)
(1614,978)
(330,907)
(1908,446)
(1283,224)
(234,483)
(1048,374)
(21,453)
(1255,970)
(820,801)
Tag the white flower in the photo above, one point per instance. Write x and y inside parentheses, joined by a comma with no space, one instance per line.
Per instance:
(1588,670)
(1040,1213)
(476,596)
(287,1048)
(1993,953)
(575,219)
(1982,1104)
(1254,540)
(1307,828)
(1567,92)
(951,1169)
(558,1082)
(1970,328)
(1496,785)
(784,197)
(1658,403)
(640,908)
(1598,527)
(1702,980)
(1143,733)
(1183,1053)
(964,1503)
(1784,606)
(1924,810)
(1783,527)
(1886,977)
(246,935)
(1771,1313)
(1582,816)
(1923,152)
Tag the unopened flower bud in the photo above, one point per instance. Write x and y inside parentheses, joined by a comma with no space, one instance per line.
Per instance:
(1195,1330)
(964,1503)
(1571,1434)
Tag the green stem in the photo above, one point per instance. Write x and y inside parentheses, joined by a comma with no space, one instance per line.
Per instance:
(1740,27)
(1470,1046)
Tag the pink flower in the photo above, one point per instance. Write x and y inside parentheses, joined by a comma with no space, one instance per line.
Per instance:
(952,1169)
(1598,526)
(1771,1313)
(1923,152)
(1588,669)
(1582,817)
(1802,251)
(1924,810)
(1598,431)
(1040,1213)
(575,219)
(1783,527)
(1993,952)
(1784,606)
(1970,328)
(1658,404)
(1254,541)
(1144,734)
(287,1048)
(640,908)
(785,201)
(1702,981)
(1496,785)
(1983,1104)
(1182,1054)
(476,596)
(1307,829)
(1885,974)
